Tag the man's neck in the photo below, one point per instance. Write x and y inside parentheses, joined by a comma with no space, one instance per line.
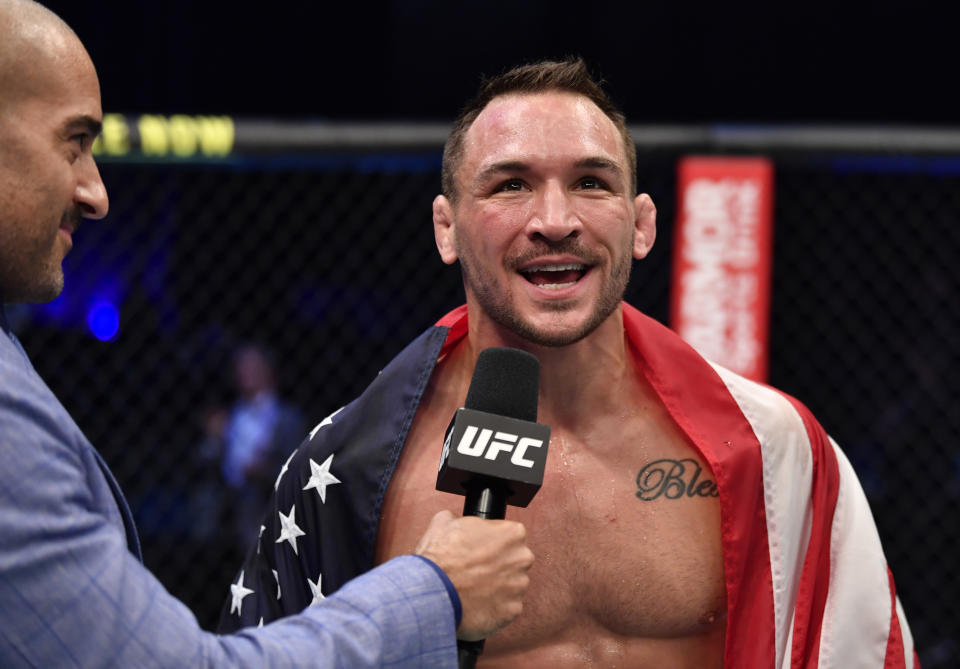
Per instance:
(577,380)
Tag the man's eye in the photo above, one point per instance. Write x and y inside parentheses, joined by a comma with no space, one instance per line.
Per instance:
(510,186)
(82,140)
(593,183)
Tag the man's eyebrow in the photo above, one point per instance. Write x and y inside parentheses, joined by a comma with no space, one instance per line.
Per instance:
(84,122)
(598,163)
(512,166)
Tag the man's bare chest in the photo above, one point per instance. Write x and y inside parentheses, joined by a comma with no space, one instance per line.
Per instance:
(626,531)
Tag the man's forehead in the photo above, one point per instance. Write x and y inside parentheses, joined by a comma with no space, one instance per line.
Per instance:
(547,123)
(60,76)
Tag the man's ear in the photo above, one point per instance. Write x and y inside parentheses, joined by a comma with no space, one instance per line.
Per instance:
(645,222)
(444,229)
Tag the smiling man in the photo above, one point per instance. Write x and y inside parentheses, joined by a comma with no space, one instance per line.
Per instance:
(687,518)
(49,116)
(541,215)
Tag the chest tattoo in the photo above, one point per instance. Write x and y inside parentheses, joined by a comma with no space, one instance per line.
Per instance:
(674,479)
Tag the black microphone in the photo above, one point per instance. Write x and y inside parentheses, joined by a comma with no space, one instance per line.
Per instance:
(495,452)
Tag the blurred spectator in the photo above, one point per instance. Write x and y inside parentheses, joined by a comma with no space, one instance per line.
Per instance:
(251,440)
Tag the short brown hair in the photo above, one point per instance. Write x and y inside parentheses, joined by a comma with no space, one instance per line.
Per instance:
(567,75)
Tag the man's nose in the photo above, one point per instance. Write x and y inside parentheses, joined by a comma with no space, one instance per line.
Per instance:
(91,194)
(555,217)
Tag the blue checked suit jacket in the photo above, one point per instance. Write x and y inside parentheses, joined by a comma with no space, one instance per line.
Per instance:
(74,593)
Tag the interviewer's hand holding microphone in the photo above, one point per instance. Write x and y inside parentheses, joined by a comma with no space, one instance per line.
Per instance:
(487,562)
(494,453)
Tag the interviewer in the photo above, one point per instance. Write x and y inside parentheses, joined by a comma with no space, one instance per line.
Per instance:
(73,590)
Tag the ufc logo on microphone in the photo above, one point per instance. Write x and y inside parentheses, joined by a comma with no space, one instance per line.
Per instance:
(475,441)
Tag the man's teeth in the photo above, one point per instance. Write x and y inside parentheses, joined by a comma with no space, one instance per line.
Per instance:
(541,271)
(554,268)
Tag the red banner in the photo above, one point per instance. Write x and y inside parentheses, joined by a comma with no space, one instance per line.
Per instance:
(720,301)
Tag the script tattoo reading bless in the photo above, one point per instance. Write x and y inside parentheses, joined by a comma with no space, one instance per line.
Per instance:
(674,479)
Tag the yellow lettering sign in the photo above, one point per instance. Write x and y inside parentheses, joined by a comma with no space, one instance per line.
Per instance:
(153,135)
(115,135)
(114,138)
(183,135)
(180,135)
(216,135)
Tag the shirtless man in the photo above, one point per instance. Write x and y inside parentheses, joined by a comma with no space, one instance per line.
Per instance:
(544,182)
(687,518)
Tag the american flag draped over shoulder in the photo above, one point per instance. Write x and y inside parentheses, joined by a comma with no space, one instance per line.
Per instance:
(320,528)
(807,582)
(806,579)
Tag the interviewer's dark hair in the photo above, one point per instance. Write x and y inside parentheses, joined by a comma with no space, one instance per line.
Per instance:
(567,75)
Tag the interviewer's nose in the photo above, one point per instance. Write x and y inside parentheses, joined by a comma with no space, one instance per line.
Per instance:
(91,193)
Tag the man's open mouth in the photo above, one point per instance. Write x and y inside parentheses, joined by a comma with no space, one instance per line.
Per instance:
(555,276)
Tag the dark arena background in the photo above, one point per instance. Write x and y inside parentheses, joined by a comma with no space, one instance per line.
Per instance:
(326,255)
(233,220)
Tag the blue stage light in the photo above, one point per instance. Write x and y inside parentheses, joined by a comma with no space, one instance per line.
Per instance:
(103,319)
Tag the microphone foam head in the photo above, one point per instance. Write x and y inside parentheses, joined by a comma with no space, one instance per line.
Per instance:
(506,381)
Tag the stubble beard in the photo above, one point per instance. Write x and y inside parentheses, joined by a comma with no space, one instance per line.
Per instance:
(496,303)
(47,284)
(50,277)
(50,283)
(35,274)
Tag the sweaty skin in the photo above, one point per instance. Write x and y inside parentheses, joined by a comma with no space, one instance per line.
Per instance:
(618,581)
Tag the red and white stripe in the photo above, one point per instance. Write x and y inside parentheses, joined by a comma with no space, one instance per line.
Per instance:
(807,582)
(836,607)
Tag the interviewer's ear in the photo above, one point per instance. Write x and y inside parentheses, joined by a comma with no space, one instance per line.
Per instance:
(645,221)
(444,229)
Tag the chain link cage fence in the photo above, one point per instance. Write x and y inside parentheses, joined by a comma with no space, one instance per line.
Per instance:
(320,250)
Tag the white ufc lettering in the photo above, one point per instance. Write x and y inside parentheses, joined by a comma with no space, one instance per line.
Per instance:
(506,443)
(473,445)
(525,443)
(477,448)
